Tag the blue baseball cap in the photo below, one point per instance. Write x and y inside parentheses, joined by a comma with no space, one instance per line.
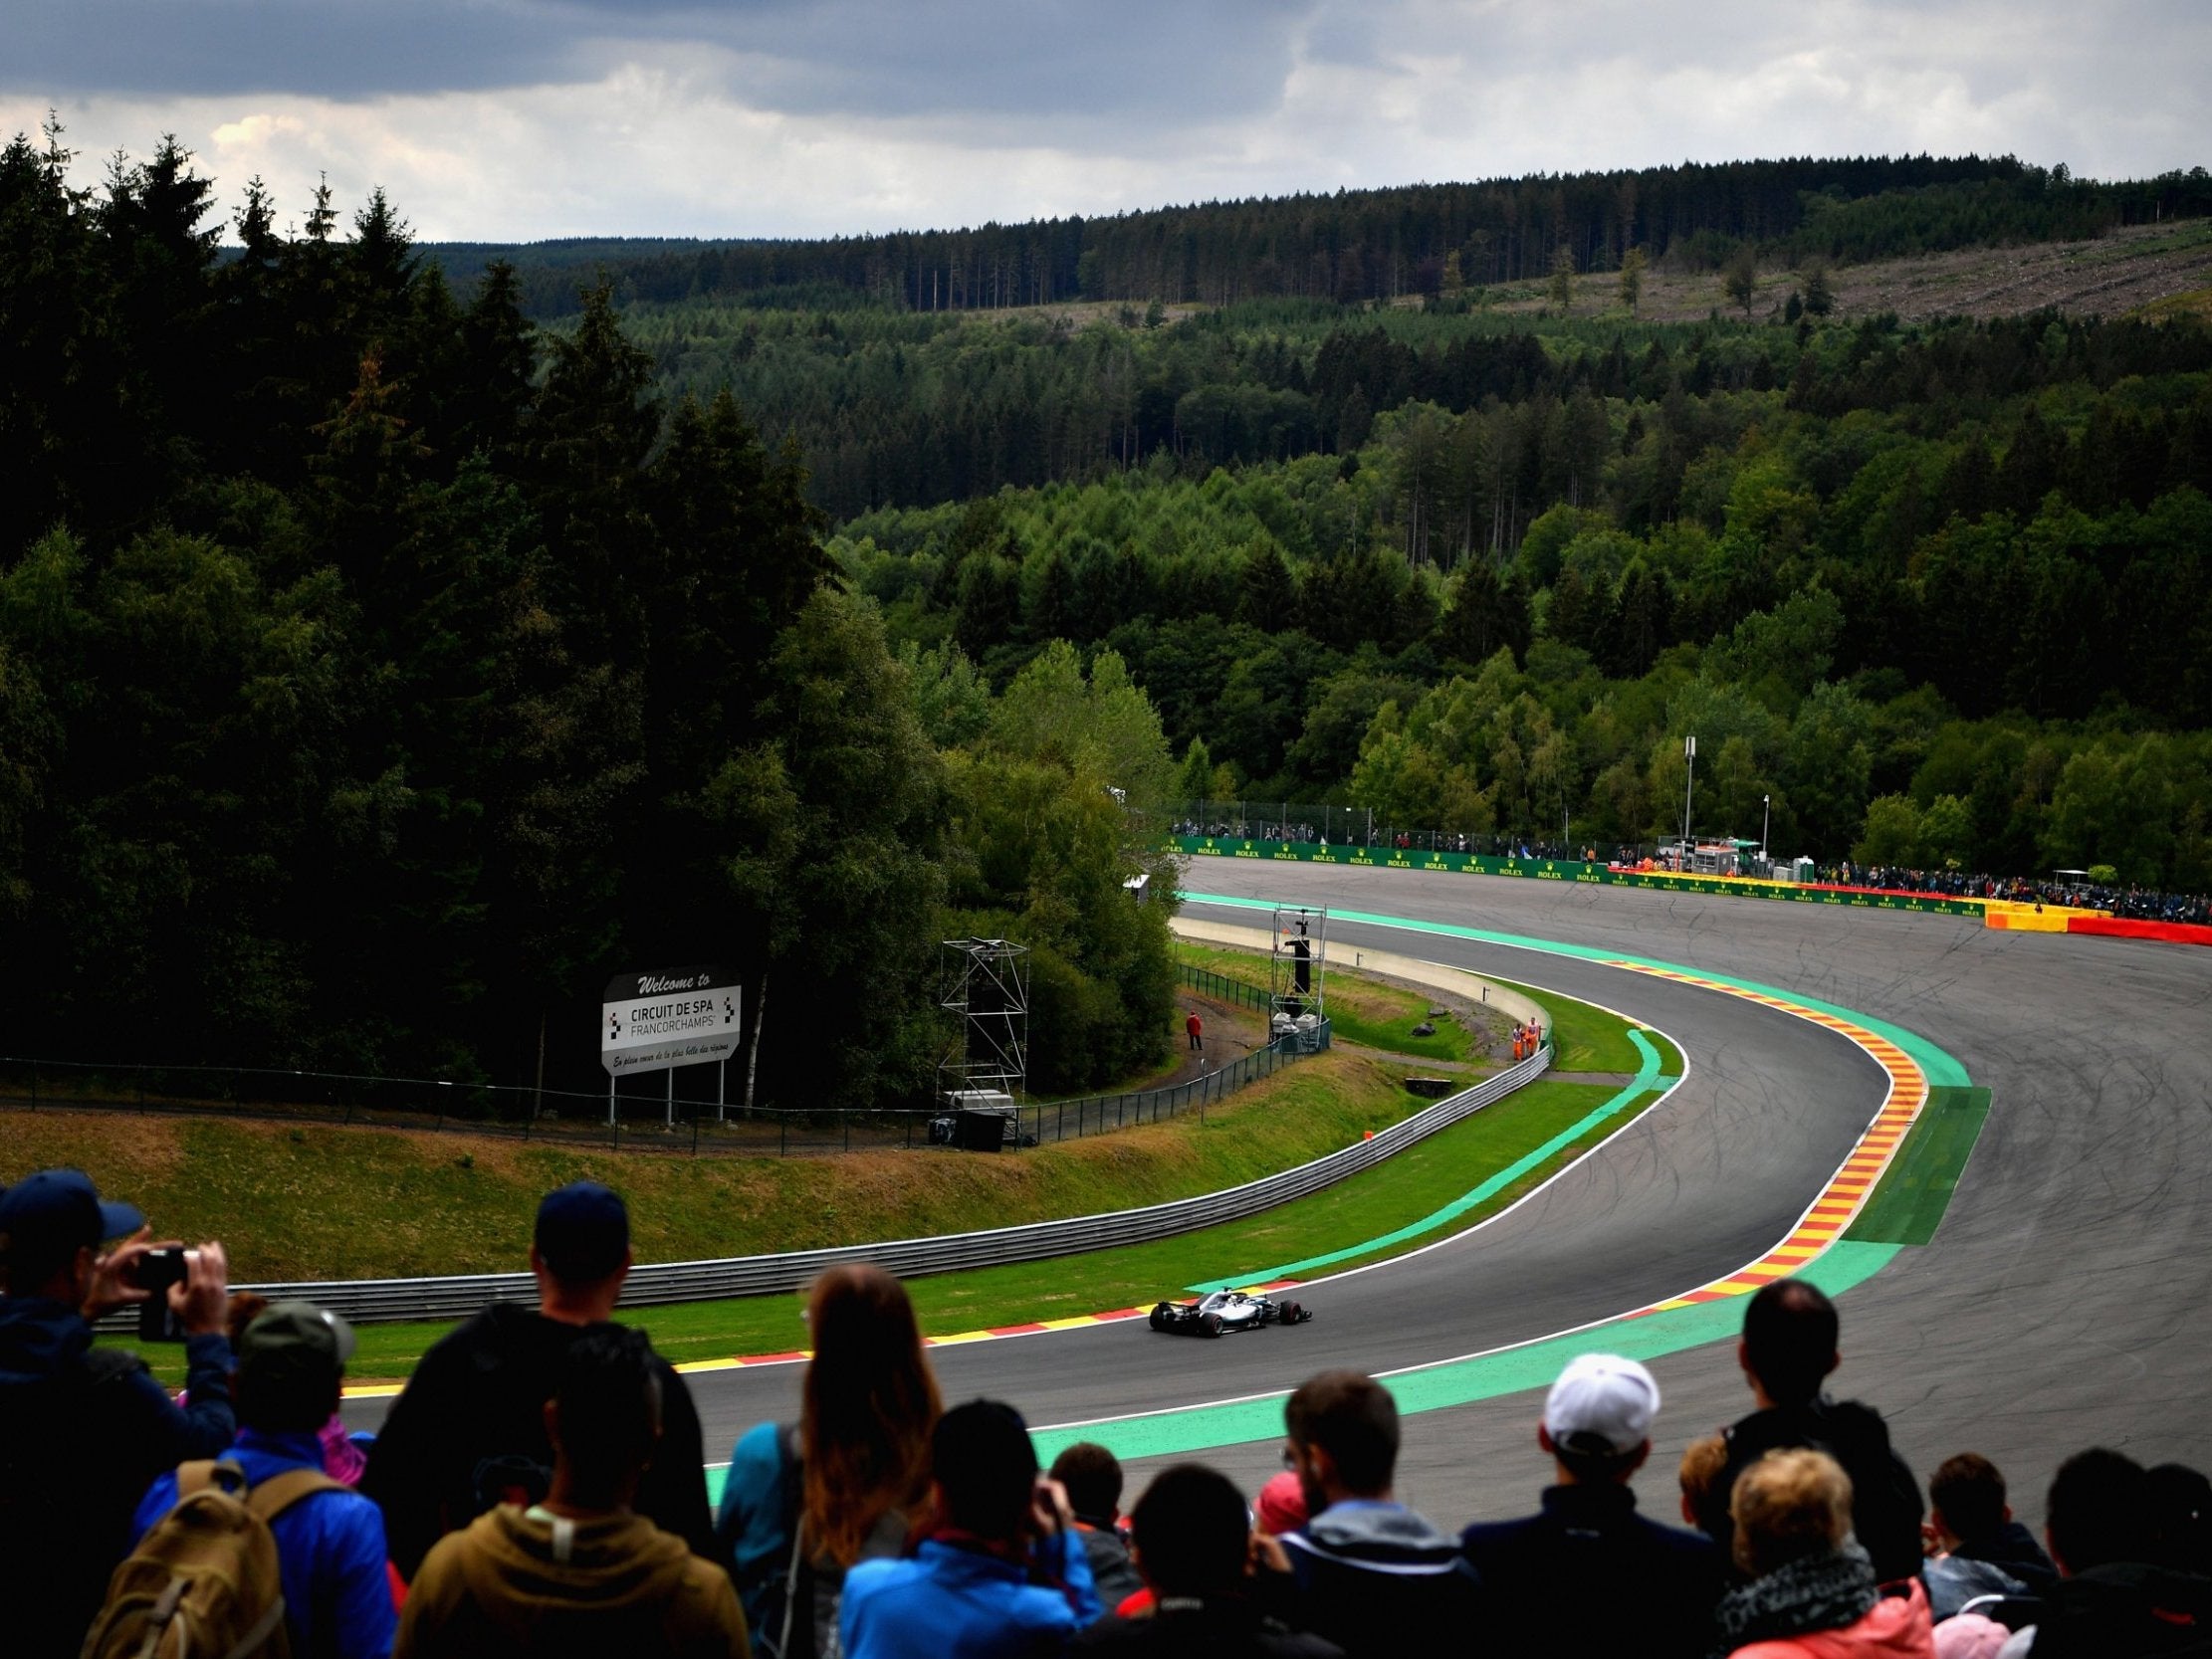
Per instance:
(583,1231)
(56,1212)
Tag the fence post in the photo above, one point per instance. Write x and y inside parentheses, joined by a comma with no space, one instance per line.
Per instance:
(784,1133)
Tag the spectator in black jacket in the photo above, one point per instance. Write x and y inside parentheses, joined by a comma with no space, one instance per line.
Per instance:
(469,1430)
(84,1431)
(1366,1572)
(1194,1541)
(2111,1603)
(1788,1350)
(1589,1575)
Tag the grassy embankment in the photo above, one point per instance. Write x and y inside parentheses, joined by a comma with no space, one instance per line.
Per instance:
(1362,1009)
(321,1200)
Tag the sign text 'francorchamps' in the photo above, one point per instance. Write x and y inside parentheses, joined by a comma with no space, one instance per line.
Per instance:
(678,1016)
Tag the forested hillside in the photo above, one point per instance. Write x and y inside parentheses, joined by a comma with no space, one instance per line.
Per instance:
(378,675)
(1382,244)
(380,671)
(1941,592)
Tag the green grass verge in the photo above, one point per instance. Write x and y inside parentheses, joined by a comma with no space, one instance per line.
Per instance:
(1414,1183)
(329,1202)
(1362,1009)
(1908,1204)
(1588,1039)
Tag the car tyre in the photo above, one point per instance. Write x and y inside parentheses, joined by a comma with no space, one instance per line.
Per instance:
(1211,1326)
(1160,1318)
(1290,1313)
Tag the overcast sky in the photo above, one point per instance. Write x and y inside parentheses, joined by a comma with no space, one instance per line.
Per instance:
(515,120)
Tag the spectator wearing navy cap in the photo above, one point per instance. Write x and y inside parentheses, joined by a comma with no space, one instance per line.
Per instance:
(84,1429)
(469,1431)
(1659,1585)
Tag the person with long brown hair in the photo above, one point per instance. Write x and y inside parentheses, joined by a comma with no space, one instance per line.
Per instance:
(804,1501)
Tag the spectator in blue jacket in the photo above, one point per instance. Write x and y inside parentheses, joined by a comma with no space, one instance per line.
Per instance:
(329,1543)
(1659,1583)
(1001,1571)
(83,1429)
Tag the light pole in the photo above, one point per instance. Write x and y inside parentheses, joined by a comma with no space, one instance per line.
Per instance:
(1766,815)
(1689,782)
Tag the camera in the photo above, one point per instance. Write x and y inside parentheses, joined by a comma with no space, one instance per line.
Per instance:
(157,1270)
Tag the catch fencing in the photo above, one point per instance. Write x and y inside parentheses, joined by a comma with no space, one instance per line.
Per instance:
(695,1127)
(379,1300)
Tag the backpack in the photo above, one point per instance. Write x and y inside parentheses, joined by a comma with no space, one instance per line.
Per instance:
(797,1598)
(204,1581)
(776,1593)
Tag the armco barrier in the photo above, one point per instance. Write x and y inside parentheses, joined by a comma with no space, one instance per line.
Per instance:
(372,1299)
(1557,870)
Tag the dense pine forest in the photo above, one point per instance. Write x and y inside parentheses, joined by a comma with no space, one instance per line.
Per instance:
(377,677)
(382,667)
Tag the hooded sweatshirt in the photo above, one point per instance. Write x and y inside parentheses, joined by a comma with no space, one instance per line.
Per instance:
(473,1416)
(1375,1579)
(522,1583)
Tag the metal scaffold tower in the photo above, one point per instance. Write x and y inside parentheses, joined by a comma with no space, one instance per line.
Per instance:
(987,988)
(1297,968)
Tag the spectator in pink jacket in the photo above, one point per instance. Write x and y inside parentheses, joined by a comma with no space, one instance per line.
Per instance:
(1811,1594)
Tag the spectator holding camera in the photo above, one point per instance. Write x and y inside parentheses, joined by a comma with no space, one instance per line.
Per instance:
(85,1430)
(1002,1571)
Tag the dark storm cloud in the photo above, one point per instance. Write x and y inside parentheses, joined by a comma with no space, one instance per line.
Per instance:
(1156,58)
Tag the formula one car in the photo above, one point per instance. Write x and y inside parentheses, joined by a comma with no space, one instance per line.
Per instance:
(1226,1310)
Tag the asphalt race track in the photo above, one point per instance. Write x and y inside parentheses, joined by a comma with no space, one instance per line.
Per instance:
(2066,1301)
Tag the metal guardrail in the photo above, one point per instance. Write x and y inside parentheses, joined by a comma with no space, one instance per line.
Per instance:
(371,1300)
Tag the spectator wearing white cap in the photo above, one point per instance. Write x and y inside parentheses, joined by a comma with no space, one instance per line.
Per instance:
(1589,1575)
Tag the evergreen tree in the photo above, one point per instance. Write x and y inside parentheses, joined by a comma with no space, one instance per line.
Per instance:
(1632,279)
(1740,277)
(1267,594)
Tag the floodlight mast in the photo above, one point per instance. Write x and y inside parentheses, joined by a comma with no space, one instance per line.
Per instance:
(1689,782)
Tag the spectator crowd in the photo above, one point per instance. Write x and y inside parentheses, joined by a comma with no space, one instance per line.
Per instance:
(539,1487)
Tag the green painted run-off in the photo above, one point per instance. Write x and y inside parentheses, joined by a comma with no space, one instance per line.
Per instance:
(1646,1080)
(1907,1206)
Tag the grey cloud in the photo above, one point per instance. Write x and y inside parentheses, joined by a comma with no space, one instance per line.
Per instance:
(861,58)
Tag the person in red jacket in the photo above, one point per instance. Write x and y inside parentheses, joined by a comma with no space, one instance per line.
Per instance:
(1197,1032)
